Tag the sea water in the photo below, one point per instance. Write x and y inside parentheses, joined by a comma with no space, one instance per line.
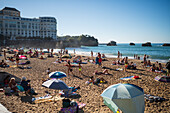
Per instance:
(156,53)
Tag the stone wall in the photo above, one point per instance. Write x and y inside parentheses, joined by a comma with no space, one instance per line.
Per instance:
(48,43)
(33,43)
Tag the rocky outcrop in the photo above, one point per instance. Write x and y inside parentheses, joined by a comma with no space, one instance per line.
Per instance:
(77,41)
(112,43)
(132,44)
(166,44)
(148,44)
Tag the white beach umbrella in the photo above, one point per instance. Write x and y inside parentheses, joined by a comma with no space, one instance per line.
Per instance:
(127,97)
(55,84)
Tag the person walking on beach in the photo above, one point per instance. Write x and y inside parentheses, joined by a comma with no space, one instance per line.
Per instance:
(100,59)
(74,51)
(69,68)
(17,60)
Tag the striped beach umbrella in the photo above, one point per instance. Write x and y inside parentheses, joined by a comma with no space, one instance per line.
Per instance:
(57,74)
(163,78)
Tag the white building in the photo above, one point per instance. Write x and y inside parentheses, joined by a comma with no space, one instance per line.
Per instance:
(13,25)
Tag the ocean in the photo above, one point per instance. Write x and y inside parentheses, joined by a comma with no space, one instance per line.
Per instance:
(156,53)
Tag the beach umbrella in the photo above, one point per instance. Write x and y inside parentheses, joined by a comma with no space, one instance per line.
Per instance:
(127,97)
(22,57)
(57,74)
(16,50)
(163,78)
(55,84)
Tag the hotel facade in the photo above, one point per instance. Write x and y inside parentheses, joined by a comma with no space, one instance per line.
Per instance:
(13,25)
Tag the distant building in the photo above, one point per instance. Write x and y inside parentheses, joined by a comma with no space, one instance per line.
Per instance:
(13,25)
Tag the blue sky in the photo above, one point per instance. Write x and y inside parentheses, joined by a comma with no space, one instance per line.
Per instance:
(123,21)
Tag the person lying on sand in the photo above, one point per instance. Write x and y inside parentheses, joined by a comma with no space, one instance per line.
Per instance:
(11,59)
(99,73)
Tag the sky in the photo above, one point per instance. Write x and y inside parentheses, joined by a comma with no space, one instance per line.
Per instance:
(122,21)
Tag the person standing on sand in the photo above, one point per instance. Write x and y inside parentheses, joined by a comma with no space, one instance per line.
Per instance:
(80,68)
(126,63)
(100,59)
(17,60)
(118,54)
(144,60)
(52,50)
(74,51)
(92,54)
(4,54)
(69,68)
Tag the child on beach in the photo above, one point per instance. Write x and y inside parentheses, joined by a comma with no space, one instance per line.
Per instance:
(48,71)
(80,68)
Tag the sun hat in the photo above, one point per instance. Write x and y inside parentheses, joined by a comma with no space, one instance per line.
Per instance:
(23,78)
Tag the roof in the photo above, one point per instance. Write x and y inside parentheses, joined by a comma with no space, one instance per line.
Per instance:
(9,8)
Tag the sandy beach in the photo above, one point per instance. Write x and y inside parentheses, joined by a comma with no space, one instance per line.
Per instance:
(90,94)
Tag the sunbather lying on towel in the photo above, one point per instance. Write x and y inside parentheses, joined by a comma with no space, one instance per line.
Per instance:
(99,73)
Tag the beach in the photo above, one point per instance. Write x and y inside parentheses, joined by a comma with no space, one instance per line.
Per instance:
(90,94)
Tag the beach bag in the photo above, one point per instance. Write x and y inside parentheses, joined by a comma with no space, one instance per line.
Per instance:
(20,88)
(97,80)
(27,62)
(32,91)
(7,90)
(66,103)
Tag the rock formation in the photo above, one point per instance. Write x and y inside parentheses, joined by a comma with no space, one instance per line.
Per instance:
(166,44)
(132,44)
(148,44)
(112,43)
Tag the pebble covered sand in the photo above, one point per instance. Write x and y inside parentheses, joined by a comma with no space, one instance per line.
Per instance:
(90,94)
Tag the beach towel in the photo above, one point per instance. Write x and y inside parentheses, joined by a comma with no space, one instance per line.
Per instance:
(152,98)
(41,99)
(81,105)
(13,66)
(128,78)
(119,69)
(71,109)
